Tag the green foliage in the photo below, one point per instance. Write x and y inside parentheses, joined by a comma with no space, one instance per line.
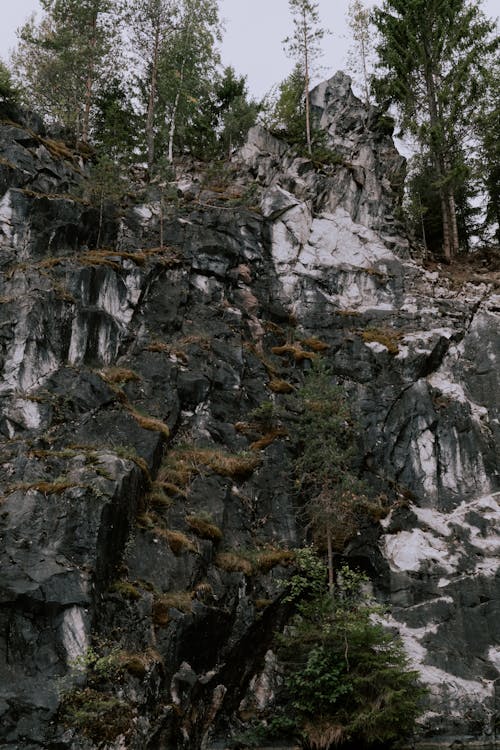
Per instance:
(9,94)
(235,112)
(324,468)
(434,61)
(63,59)
(115,125)
(347,679)
(288,115)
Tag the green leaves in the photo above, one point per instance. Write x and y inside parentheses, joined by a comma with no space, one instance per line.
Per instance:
(346,677)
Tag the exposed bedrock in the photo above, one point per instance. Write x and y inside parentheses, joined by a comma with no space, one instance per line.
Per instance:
(146,515)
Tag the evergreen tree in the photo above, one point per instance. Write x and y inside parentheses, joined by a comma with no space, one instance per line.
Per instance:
(236,113)
(347,680)
(334,495)
(488,162)
(304,47)
(288,113)
(62,59)
(433,57)
(9,95)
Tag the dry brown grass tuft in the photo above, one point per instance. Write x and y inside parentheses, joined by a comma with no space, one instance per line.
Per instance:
(204,528)
(150,423)
(184,463)
(270,558)
(181,600)
(323,735)
(315,344)
(280,386)
(119,375)
(177,541)
(127,590)
(268,439)
(140,663)
(56,487)
(233,562)
(298,354)
(388,337)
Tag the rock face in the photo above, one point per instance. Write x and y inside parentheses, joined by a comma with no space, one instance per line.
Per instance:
(139,473)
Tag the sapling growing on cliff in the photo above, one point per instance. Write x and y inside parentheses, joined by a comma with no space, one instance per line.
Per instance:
(332,492)
(347,679)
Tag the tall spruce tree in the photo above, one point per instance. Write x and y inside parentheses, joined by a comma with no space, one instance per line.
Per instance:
(433,61)
(488,162)
(61,60)
(304,47)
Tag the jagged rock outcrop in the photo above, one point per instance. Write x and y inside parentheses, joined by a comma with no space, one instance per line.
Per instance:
(137,477)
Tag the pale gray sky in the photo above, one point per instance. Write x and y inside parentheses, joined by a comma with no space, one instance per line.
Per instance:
(252,41)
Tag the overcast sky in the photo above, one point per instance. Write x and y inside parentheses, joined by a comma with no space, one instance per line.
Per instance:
(252,40)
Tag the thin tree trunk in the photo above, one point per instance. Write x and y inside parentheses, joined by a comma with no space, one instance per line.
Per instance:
(150,119)
(329,547)
(306,87)
(89,83)
(439,163)
(174,116)
(454,241)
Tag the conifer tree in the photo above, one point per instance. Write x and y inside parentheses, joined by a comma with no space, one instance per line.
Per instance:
(433,61)
(304,47)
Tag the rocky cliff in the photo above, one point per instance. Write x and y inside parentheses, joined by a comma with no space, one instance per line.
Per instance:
(148,509)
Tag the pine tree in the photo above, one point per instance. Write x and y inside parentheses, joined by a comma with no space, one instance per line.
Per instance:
(288,113)
(236,113)
(304,47)
(433,58)
(488,161)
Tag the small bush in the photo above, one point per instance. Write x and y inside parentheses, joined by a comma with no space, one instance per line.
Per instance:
(99,716)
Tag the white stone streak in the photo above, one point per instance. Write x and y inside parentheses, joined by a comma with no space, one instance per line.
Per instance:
(411,550)
(74,634)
